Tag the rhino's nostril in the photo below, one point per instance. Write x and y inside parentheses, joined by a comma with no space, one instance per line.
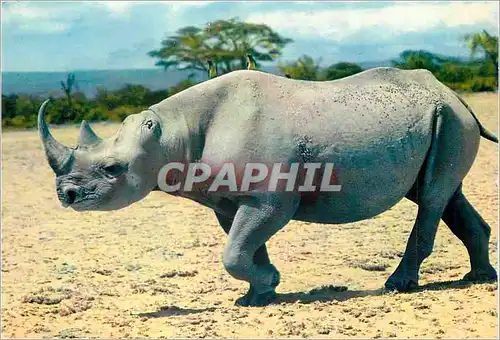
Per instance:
(70,196)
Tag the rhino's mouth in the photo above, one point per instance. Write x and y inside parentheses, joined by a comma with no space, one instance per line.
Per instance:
(88,198)
(82,202)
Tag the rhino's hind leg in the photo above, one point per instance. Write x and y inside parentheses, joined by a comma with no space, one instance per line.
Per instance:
(245,256)
(466,223)
(440,177)
(418,248)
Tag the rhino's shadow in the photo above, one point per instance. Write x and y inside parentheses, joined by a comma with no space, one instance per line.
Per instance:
(321,294)
(326,293)
(174,311)
(341,293)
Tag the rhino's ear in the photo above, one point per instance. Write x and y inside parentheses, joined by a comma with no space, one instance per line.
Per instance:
(87,135)
(150,129)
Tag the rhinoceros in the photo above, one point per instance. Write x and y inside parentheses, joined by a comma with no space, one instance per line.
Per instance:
(392,134)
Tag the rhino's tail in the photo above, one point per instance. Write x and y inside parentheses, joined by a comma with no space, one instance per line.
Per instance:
(482,130)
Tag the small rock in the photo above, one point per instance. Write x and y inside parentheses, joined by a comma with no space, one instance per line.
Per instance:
(69,333)
(179,274)
(103,271)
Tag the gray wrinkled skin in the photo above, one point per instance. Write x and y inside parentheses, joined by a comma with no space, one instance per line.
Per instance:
(390,133)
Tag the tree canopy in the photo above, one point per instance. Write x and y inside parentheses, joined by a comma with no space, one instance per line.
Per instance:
(225,42)
(341,70)
(487,44)
(304,68)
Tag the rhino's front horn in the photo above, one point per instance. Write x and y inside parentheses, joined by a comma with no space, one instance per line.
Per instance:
(87,135)
(58,155)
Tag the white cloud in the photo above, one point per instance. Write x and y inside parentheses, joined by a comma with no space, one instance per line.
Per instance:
(123,7)
(387,21)
(38,17)
(45,26)
(117,8)
(53,17)
(178,7)
(20,11)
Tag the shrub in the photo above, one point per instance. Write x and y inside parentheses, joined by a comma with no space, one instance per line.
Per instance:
(120,113)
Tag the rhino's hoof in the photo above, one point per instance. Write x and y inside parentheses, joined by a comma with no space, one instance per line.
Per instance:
(485,275)
(252,299)
(402,284)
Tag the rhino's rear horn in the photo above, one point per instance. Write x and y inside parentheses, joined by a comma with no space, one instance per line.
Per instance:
(87,136)
(58,155)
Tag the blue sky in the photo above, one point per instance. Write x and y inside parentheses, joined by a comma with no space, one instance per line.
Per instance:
(66,36)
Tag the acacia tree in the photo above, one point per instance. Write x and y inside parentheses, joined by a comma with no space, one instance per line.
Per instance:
(487,44)
(225,42)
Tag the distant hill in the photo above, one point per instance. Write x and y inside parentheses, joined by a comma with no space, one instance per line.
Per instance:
(48,83)
(45,83)
(372,64)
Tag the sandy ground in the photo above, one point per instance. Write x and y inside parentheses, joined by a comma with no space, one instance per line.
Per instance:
(154,269)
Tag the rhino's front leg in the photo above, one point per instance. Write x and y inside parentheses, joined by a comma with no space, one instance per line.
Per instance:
(256,220)
(261,256)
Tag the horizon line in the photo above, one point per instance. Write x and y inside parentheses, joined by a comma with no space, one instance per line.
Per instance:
(274,63)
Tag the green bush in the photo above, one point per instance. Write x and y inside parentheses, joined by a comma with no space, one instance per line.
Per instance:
(471,76)
(18,121)
(97,113)
(479,84)
(341,70)
(120,113)
(20,111)
(476,84)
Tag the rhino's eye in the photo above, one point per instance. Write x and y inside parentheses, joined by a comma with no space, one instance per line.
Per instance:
(114,169)
(149,124)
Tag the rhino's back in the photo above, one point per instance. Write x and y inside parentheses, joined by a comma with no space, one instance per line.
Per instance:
(374,103)
(377,107)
